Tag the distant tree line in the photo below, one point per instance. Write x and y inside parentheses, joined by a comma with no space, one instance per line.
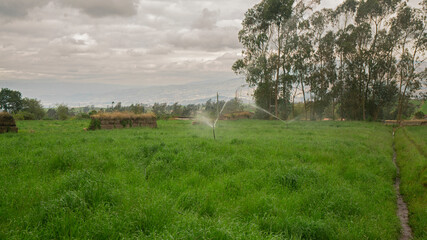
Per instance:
(31,109)
(362,60)
(210,108)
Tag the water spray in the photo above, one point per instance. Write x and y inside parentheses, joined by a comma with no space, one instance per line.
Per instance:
(219,112)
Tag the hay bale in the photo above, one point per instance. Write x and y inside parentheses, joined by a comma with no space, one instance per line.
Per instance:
(3,129)
(13,129)
(7,123)
(122,120)
(237,116)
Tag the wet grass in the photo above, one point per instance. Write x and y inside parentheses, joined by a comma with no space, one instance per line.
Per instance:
(258,180)
(411,147)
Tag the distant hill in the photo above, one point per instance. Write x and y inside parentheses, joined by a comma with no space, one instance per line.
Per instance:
(76,94)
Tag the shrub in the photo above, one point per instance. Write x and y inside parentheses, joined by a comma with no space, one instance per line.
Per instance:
(419,115)
(93,112)
(22,115)
(34,107)
(82,116)
(62,112)
(95,124)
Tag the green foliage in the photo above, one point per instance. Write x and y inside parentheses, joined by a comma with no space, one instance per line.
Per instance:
(62,112)
(94,124)
(419,115)
(80,116)
(233,105)
(160,109)
(23,115)
(258,180)
(93,112)
(33,107)
(137,108)
(126,123)
(365,57)
(52,114)
(10,100)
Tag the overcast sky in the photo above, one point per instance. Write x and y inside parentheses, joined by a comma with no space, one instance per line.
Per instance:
(134,43)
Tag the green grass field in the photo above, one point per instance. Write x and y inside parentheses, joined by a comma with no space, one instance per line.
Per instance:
(258,180)
(411,147)
(423,107)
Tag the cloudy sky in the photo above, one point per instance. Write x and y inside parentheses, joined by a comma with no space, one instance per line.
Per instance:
(59,47)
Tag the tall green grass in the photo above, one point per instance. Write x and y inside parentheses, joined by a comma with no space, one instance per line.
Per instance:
(258,180)
(411,147)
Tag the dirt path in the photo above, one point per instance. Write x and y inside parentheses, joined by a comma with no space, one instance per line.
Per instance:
(402,208)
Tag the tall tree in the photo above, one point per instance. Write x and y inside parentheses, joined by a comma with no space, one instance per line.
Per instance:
(62,112)
(262,38)
(34,107)
(409,28)
(10,100)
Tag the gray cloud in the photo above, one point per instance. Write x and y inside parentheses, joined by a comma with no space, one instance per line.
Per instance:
(207,20)
(216,39)
(93,8)
(19,8)
(104,8)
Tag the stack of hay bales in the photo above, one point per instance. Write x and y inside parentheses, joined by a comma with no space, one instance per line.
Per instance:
(7,123)
(237,116)
(122,120)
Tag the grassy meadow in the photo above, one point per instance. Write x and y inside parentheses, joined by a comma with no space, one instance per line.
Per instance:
(257,180)
(411,148)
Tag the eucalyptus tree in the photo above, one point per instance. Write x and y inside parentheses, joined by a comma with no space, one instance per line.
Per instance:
(294,74)
(363,56)
(255,65)
(372,13)
(322,61)
(325,85)
(342,17)
(276,13)
(409,28)
(383,72)
(264,33)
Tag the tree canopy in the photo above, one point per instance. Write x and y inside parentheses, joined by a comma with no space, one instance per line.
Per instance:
(10,100)
(362,60)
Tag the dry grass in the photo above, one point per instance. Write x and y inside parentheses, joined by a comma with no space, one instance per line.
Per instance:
(123,116)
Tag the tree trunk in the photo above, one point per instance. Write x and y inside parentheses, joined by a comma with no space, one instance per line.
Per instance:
(333,109)
(303,94)
(277,74)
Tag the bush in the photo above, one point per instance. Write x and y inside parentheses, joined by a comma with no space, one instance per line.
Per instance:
(93,112)
(34,107)
(22,115)
(82,116)
(63,112)
(419,115)
(94,124)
